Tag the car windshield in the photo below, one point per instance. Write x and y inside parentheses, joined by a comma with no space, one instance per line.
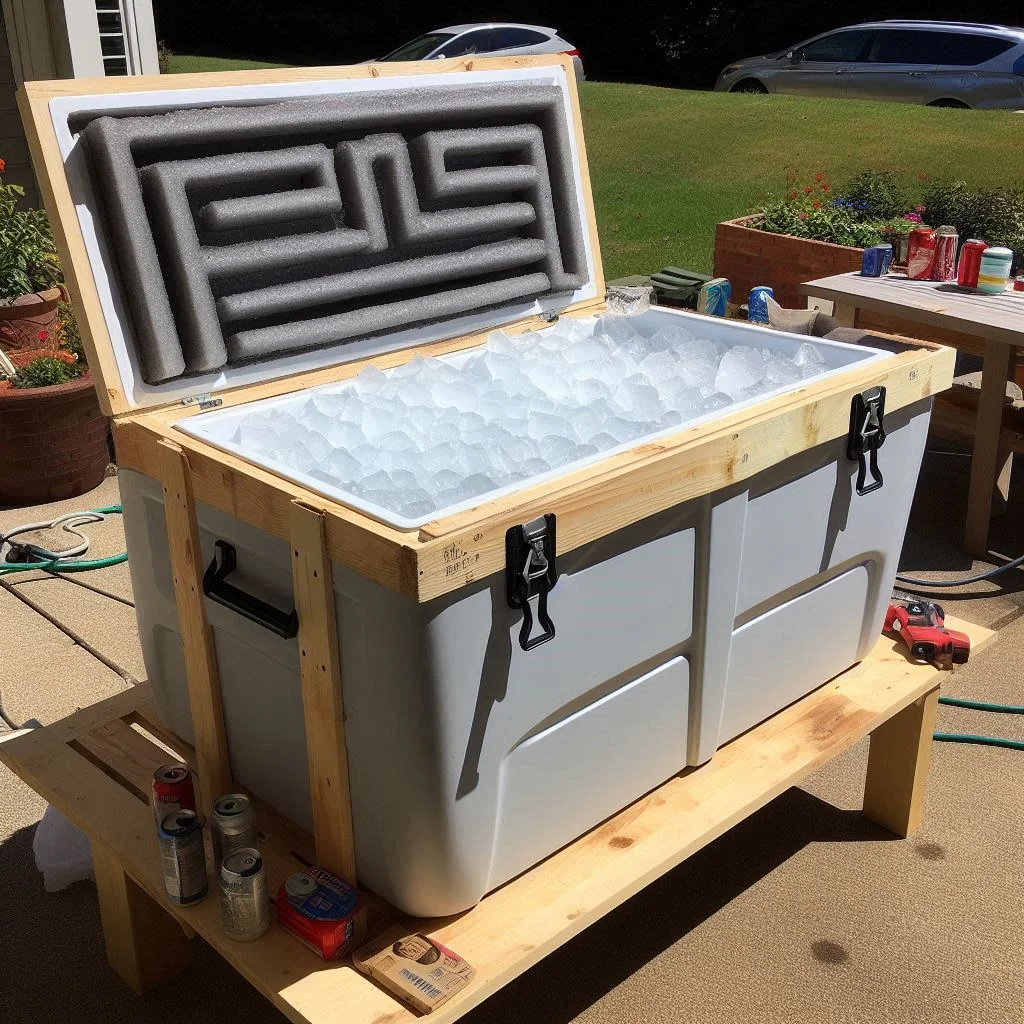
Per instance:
(419,47)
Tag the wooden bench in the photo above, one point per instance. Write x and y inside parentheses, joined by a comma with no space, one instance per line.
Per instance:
(96,767)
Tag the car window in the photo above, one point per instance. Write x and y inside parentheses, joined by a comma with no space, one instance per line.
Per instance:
(478,41)
(420,47)
(967,50)
(838,46)
(944,48)
(507,38)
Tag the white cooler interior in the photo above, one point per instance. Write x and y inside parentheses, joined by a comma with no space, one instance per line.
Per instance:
(434,437)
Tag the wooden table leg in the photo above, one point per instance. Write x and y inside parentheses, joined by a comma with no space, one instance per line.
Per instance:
(845,314)
(985,467)
(898,766)
(144,944)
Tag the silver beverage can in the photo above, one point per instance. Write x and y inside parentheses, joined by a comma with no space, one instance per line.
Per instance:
(232,825)
(183,858)
(244,909)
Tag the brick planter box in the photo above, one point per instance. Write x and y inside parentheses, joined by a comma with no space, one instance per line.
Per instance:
(55,442)
(749,257)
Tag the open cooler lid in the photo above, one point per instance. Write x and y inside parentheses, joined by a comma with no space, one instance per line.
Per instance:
(224,230)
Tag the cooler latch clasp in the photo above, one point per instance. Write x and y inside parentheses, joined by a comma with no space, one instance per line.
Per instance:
(530,572)
(867,435)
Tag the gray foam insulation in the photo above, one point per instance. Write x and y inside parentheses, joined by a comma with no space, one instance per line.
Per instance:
(242,233)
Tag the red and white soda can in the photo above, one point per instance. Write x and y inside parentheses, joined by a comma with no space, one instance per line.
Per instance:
(944,264)
(172,791)
(921,254)
(970,262)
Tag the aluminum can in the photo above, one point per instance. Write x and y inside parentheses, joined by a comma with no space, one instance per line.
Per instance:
(888,256)
(172,791)
(921,254)
(244,909)
(1018,283)
(232,825)
(757,304)
(876,261)
(970,262)
(182,857)
(714,296)
(319,909)
(944,264)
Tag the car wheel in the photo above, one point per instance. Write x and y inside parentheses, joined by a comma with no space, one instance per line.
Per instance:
(750,86)
(952,104)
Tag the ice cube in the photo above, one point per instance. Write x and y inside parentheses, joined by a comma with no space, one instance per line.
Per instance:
(671,339)
(780,369)
(679,395)
(413,391)
(469,422)
(438,458)
(395,462)
(716,401)
(330,403)
(501,343)
(809,355)
(377,422)
(475,485)
(343,434)
(546,378)
(557,451)
(573,330)
(603,441)
(586,391)
(659,366)
(353,409)
(586,422)
(671,419)
(369,381)
(586,350)
(534,467)
(469,458)
(257,434)
(543,424)
(342,466)
(616,328)
(698,372)
(620,429)
(414,503)
(635,349)
(742,367)
(378,481)
(313,419)
(457,394)
(443,480)
(699,349)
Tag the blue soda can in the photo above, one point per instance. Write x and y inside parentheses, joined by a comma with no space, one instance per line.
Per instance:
(876,260)
(757,304)
(714,296)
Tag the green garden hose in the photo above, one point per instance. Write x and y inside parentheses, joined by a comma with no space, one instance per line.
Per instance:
(59,564)
(985,741)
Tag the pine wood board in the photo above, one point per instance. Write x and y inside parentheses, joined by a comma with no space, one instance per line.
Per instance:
(590,503)
(33,103)
(518,925)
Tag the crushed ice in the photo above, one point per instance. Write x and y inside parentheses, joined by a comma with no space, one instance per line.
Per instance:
(433,433)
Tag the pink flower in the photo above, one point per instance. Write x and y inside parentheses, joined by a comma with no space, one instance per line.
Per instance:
(919,209)
(43,335)
(915,217)
(803,216)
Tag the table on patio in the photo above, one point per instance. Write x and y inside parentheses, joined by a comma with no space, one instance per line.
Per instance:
(996,320)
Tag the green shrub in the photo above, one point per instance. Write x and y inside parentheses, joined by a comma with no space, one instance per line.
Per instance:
(993,214)
(68,333)
(28,256)
(878,194)
(48,370)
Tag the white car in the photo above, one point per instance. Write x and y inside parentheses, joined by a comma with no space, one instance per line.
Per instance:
(495,39)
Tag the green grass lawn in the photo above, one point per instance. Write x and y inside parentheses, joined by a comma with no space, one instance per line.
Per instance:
(667,165)
(179,64)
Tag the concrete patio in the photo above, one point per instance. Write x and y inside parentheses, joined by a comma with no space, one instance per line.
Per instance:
(803,913)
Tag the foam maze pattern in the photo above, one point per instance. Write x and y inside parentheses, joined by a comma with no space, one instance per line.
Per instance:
(241,233)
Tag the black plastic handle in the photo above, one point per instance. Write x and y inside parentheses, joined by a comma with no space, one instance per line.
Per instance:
(216,588)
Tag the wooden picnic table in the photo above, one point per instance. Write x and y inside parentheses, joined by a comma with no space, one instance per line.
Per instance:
(996,320)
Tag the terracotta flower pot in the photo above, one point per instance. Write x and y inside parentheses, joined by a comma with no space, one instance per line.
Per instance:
(55,442)
(28,316)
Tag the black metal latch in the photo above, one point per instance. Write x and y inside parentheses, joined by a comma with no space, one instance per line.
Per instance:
(530,572)
(867,435)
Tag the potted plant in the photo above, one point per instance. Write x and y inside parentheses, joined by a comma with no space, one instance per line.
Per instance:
(812,232)
(54,438)
(30,272)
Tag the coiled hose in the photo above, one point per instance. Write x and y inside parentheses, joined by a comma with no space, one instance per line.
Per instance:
(63,561)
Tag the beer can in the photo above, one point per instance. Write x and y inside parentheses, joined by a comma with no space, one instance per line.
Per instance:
(714,296)
(244,909)
(319,909)
(757,304)
(172,791)
(182,857)
(921,254)
(232,825)
(876,260)
(944,264)
(970,262)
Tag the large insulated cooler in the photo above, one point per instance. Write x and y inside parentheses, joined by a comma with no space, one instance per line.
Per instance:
(657,554)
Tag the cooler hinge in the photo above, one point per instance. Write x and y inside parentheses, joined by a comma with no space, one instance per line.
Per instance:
(205,401)
(530,572)
(867,435)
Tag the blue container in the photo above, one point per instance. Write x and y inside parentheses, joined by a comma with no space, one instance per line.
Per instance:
(757,304)
(714,297)
(877,260)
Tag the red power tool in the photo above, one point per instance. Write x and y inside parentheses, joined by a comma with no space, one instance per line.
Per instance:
(921,626)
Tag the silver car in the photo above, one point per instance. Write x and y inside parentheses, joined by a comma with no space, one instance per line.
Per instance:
(940,63)
(493,39)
